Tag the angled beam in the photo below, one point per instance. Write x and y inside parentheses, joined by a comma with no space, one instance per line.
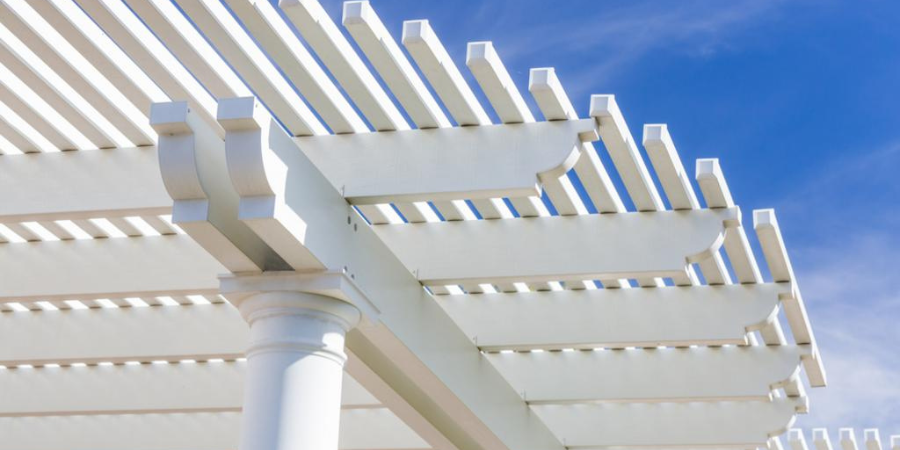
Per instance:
(675,182)
(772,243)
(447,164)
(624,153)
(633,245)
(796,439)
(821,439)
(650,375)
(374,429)
(873,439)
(435,63)
(383,52)
(498,86)
(289,202)
(345,65)
(138,389)
(82,185)
(547,90)
(848,439)
(125,267)
(693,425)
(615,318)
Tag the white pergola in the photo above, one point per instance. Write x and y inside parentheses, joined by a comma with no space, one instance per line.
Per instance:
(172,171)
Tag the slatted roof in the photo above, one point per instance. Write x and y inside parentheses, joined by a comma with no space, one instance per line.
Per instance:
(606,325)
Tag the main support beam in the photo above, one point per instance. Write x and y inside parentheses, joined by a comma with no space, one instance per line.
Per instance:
(81,185)
(416,348)
(371,429)
(448,164)
(668,425)
(104,268)
(137,389)
(615,318)
(650,375)
(631,245)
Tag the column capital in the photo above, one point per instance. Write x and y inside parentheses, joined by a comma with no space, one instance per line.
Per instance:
(337,286)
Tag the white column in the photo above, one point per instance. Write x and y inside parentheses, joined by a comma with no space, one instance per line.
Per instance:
(295,361)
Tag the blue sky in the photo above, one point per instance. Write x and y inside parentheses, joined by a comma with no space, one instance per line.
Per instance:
(795,98)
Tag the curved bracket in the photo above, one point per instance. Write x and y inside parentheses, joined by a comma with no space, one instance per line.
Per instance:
(448,163)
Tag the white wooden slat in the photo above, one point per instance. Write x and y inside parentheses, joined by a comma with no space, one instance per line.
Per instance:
(190,47)
(56,52)
(379,46)
(14,142)
(624,153)
(58,231)
(796,439)
(441,72)
(27,138)
(361,429)
(24,232)
(125,226)
(274,35)
(256,69)
(615,318)
(630,245)
(848,439)
(507,101)
(77,185)
(821,439)
(714,270)
(96,46)
(145,49)
(90,228)
(873,439)
(159,225)
(554,103)
(29,113)
(138,389)
(498,86)
(717,195)
(649,375)
(667,164)
(345,65)
(737,425)
(51,90)
(119,268)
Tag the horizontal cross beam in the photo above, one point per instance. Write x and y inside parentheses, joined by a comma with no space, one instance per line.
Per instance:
(629,245)
(449,163)
(615,318)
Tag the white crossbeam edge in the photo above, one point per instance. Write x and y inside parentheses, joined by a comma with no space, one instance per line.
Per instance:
(772,243)
(624,153)
(632,245)
(554,103)
(135,267)
(345,65)
(615,318)
(216,386)
(434,165)
(796,439)
(190,157)
(119,335)
(441,72)
(821,439)
(848,439)
(81,185)
(650,375)
(417,335)
(370,429)
(738,425)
